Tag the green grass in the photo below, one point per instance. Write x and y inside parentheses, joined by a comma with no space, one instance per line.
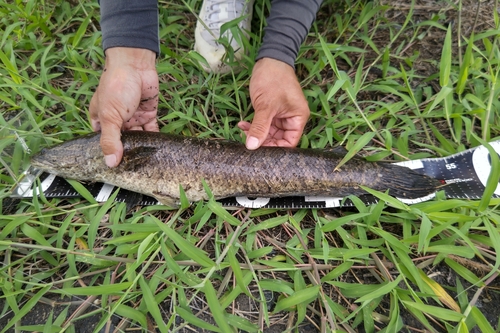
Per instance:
(393,79)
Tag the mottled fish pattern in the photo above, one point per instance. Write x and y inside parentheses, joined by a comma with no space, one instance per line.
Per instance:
(158,164)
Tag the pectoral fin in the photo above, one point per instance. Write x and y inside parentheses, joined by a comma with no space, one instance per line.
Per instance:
(136,156)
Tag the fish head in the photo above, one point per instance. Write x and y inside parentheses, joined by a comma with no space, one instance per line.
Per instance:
(78,158)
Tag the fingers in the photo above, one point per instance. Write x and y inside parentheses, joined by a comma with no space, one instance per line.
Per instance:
(126,99)
(259,129)
(294,125)
(152,125)
(111,144)
(149,93)
(96,126)
(281,110)
(244,125)
(149,102)
(94,114)
(277,135)
(106,116)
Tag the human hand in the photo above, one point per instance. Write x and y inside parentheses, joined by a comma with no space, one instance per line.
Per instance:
(281,110)
(126,98)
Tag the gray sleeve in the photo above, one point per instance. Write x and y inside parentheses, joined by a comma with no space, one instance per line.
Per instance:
(287,26)
(130,23)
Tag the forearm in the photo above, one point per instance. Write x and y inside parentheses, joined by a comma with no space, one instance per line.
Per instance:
(287,27)
(130,23)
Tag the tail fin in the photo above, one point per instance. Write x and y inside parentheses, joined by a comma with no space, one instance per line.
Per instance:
(405,183)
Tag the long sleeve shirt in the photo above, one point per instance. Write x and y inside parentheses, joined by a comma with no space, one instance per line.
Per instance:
(134,23)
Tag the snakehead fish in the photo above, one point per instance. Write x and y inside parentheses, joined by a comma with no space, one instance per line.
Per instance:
(157,164)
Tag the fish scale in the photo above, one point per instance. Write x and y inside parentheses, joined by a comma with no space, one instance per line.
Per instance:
(158,164)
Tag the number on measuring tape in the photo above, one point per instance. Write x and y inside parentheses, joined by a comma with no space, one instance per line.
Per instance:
(451,166)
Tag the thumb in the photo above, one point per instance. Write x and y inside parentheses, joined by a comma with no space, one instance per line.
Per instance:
(259,129)
(111,144)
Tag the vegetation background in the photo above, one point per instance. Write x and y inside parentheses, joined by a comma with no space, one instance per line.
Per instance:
(394,79)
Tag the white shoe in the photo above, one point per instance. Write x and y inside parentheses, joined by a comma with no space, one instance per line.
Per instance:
(213,14)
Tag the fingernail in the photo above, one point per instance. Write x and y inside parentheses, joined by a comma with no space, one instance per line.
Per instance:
(252,143)
(110,160)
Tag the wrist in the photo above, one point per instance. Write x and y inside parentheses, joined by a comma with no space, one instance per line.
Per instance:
(272,65)
(141,59)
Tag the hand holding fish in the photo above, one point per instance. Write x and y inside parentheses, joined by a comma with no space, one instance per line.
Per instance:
(281,110)
(126,99)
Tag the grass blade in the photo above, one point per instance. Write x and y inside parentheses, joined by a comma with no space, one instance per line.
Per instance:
(220,316)
(195,321)
(26,308)
(445,63)
(380,291)
(481,321)
(304,296)
(112,289)
(185,246)
(360,144)
(152,305)
(440,292)
(435,311)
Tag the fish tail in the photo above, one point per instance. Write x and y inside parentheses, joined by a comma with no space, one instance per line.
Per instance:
(406,183)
